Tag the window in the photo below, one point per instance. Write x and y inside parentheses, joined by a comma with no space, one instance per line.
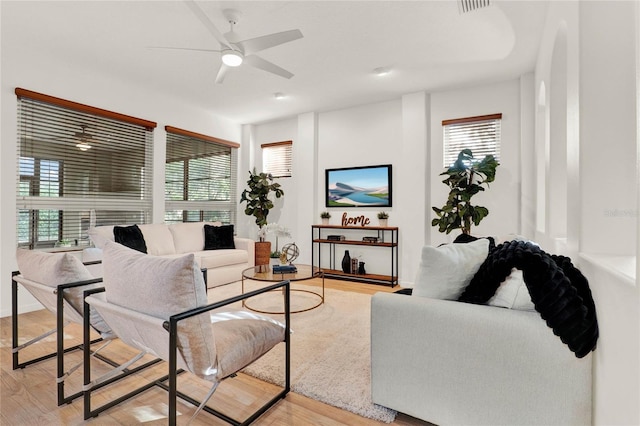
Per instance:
(78,166)
(200,178)
(479,134)
(277,158)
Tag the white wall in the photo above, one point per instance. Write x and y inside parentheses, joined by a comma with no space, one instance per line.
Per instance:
(600,42)
(406,133)
(96,87)
(502,198)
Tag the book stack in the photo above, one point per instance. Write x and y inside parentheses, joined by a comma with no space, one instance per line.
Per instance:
(284,269)
(370,239)
(335,237)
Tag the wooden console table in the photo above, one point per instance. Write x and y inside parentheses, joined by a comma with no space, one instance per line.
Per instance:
(387,238)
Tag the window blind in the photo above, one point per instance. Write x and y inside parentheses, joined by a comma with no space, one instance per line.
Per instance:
(200,178)
(277,158)
(479,134)
(78,166)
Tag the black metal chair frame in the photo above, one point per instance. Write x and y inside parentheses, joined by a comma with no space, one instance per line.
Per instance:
(172,377)
(59,331)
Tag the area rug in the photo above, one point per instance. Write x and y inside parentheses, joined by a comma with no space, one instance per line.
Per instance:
(330,349)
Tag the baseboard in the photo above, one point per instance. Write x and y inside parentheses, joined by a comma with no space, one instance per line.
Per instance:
(22,309)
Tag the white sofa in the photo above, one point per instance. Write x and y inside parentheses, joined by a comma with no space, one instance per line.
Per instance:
(223,266)
(453,363)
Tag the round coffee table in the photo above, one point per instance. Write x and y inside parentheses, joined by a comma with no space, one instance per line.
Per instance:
(304,272)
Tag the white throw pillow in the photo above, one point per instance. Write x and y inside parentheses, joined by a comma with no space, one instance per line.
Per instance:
(99,235)
(445,271)
(513,293)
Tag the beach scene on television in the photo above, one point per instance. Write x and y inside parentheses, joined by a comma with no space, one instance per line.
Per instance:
(358,187)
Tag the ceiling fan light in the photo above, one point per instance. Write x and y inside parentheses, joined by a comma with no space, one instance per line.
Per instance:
(232,58)
(83,146)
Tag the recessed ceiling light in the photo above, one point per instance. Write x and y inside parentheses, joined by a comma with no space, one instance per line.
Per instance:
(279,95)
(380,71)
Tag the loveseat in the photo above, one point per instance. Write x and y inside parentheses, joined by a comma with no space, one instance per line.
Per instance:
(222,254)
(452,363)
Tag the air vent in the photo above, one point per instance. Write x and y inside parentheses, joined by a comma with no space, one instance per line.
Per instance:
(470,5)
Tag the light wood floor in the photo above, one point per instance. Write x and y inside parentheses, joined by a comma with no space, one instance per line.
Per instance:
(28,396)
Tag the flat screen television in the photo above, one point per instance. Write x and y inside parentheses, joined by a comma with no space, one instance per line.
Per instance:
(366,186)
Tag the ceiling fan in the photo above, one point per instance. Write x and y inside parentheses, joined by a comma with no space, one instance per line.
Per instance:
(235,52)
(83,139)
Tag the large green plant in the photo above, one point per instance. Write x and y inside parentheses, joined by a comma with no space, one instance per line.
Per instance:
(257,196)
(465,179)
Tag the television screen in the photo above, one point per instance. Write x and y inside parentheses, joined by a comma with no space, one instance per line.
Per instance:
(367,186)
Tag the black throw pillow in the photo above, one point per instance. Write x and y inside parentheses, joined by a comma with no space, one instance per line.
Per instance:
(218,237)
(130,236)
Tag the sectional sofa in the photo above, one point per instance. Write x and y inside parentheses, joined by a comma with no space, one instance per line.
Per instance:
(224,262)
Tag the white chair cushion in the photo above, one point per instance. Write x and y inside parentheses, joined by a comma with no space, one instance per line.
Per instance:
(158,239)
(53,269)
(162,287)
(445,271)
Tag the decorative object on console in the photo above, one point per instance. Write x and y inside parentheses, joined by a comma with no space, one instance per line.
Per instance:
(335,237)
(465,178)
(383,218)
(361,270)
(354,265)
(130,236)
(370,239)
(346,262)
(325,216)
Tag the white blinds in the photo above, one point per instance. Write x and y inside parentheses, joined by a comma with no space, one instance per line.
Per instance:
(78,168)
(200,178)
(277,158)
(479,134)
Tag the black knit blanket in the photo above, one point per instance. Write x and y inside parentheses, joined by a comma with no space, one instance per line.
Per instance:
(558,291)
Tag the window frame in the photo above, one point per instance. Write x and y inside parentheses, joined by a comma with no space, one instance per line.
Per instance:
(283,150)
(471,125)
(41,121)
(204,208)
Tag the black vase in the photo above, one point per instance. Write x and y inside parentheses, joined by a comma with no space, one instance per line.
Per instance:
(346,262)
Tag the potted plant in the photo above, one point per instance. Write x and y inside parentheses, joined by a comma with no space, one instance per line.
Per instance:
(261,186)
(383,218)
(325,216)
(465,178)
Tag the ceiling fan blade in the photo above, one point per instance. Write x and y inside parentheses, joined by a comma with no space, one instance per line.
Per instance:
(207,23)
(183,48)
(222,72)
(254,45)
(263,64)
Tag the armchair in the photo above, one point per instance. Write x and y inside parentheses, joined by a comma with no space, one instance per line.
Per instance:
(57,281)
(159,306)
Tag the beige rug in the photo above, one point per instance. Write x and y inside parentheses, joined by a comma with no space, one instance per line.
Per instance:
(330,349)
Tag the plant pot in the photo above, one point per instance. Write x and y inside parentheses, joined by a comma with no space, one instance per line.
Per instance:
(325,220)
(384,222)
(263,252)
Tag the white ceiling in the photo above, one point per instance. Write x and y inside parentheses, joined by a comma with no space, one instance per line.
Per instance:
(429,46)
